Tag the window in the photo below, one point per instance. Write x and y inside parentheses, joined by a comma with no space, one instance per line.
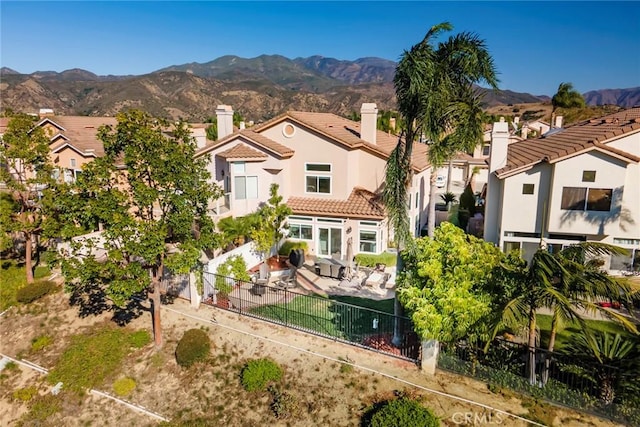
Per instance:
(73,163)
(486,149)
(288,130)
(417,199)
(246,187)
(591,199)
(599,199)
(318,183)
(368,241)
(573,198)
(527,188)
(238,167)
(301,231)
(588,176)
(511,246)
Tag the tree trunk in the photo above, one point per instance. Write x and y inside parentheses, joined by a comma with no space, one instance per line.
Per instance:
(552,343)
(450,168)
(397,307)
(28,262)
(532,347)
(155,307)
(431,219)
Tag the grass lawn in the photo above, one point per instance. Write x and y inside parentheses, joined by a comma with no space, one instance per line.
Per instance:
(323,316)
(563,336)
(12,278)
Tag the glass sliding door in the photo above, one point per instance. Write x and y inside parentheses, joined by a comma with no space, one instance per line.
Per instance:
(329,241)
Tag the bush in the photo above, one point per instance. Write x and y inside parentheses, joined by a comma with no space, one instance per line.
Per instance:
(284,404)
(402,412)
(259,373)
(124,386)
(34,291)
(235,267)
(25,394)
(139,339)
(194,346)
(370,260)
(290,245)
(40,342)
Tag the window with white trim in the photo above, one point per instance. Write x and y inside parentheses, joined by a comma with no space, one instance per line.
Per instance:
(369,241)
(246,187)
(300,231)
(318,178)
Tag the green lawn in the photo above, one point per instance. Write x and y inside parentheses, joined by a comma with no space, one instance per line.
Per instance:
(322,315)
(563,336)
(12,278)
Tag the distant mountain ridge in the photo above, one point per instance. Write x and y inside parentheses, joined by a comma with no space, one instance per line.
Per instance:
(260,88)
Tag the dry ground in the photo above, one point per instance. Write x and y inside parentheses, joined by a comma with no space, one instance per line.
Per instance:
(327,393)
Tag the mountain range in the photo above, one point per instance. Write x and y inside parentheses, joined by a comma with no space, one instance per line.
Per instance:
(259,88)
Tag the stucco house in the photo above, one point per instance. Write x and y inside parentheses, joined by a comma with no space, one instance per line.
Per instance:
(330,172)
(73,140)
(580,183)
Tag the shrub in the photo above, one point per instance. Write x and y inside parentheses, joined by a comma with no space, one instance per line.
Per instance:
(259,373)
(402,412)
(139,339)
(25,394)
(234,267)
(34,291)
(124,386)
(284,404)
(290,245)
(194,346)
(370,260)
(42,407)
(40,342)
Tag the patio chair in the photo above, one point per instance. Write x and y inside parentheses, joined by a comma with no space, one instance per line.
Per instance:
(325,269)
(259,286)
(286,281)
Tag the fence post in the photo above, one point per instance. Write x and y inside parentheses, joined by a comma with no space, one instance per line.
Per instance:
(194,295)
(430,351)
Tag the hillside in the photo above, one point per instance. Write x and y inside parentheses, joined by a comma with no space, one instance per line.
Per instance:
(259,88)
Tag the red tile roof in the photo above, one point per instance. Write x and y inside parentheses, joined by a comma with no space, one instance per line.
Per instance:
(81,132)
(361,203)
(242,151)
(347,133)
(593,134)
(254,137)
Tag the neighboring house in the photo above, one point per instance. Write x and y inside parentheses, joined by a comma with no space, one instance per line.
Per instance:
(580,183)
(73,141)
(330,172)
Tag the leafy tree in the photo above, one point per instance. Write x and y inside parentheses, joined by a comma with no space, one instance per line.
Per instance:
(27,174)
(435,95)
(270,222)
(566,97)
(443,285)
(151,195)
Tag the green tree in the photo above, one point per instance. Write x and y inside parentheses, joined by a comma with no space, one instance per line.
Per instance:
(614,363)
(444,285)
(27,175)
(212,129)
(435,95)
(270,222)
(566,97)
(151,196)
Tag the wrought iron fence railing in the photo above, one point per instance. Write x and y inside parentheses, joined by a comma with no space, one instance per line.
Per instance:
(360,326)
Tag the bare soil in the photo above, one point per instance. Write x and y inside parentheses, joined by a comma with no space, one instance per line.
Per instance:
(326,392)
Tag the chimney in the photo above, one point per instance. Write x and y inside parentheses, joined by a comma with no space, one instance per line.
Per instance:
(224,116)
(392,124)
(525,132)
(368,122)
(200,135)
(499,144)
(516,120)
(45,112)
(558,123)
(242,125)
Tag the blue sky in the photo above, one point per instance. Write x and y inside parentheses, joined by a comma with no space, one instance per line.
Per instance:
(535,45)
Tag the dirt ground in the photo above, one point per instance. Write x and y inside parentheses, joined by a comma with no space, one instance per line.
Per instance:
(326,392)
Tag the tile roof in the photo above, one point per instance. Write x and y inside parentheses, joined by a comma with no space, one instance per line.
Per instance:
(361,203)
(593,134)
(242,151)
(254,137)
(347,132)
(81,132)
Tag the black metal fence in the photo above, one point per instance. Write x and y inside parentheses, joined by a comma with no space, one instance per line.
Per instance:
(559,378)
(360,326)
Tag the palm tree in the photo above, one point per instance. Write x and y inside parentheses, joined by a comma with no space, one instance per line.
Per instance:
(436,97)
(566,97)
(614,362)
